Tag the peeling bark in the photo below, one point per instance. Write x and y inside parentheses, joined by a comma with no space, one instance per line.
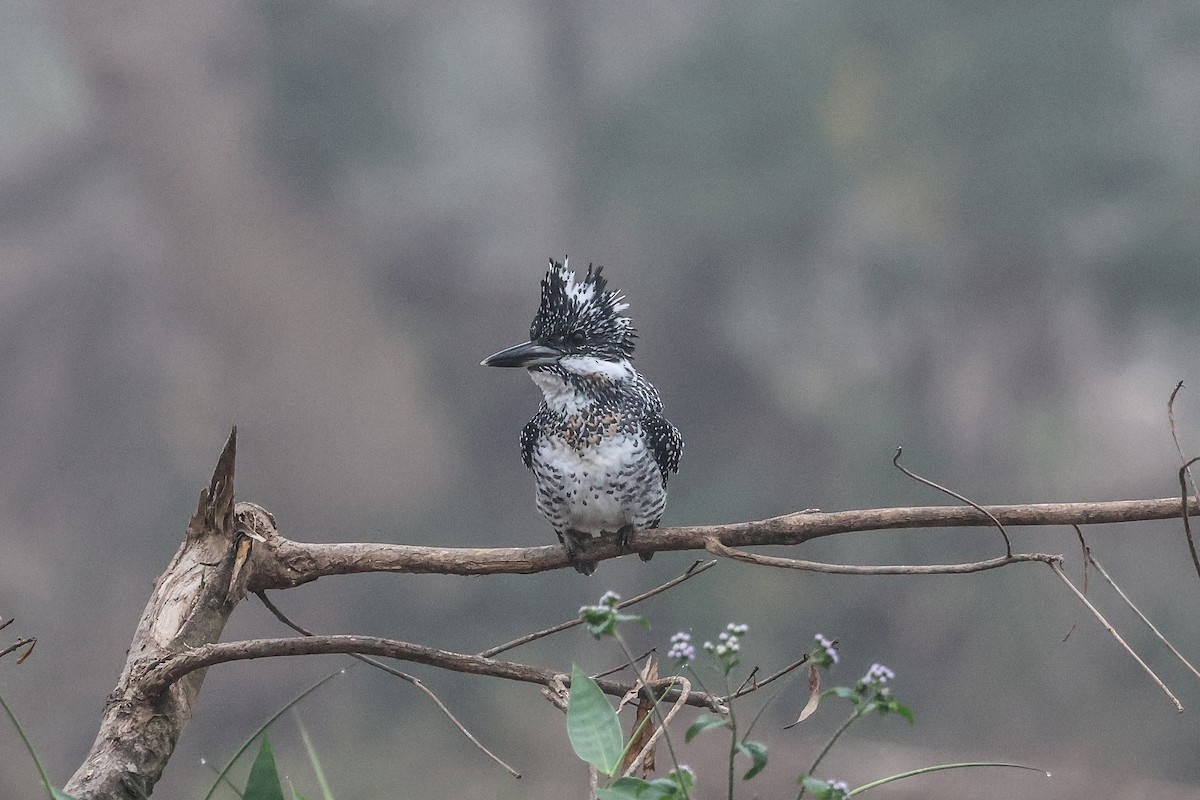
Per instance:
(188,607)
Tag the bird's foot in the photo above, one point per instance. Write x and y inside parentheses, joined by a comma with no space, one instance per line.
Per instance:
(570,541)
(623,537)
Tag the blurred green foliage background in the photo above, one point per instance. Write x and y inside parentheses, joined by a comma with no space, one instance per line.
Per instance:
(968,228)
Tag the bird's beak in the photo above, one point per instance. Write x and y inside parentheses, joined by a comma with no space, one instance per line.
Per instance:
(526,354)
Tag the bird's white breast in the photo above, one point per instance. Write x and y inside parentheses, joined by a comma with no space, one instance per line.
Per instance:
(599,489)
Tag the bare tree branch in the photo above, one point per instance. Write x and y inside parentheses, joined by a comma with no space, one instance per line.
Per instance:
(179,665)
(230,549)
(282,563)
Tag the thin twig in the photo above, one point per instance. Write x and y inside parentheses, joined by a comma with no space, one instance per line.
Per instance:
(684,692)
(1113,631)
(748,680)
(1175,432)
(4,623)
(620,667)
(1185,475)
(716,548)
(695,569)
(1007,544)
(770,678)
(1144,618)
(222,776)
(1187,526)
(1087,555)
(17,645)
(1083,546)
(412,679)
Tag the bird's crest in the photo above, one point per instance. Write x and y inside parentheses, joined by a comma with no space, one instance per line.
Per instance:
(582,316)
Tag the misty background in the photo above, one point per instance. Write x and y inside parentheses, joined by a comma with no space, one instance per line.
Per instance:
(968,228)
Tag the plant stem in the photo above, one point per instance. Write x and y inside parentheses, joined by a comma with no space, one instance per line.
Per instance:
(733,739)
(828,745)
(28,746)
(938,768)
(654,706)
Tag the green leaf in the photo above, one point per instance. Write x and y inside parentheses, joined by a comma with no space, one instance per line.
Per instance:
(757,753)
(844,692)
(263,783)
(682,778)
(668,787)
(703,723)
(638,789)
(898,708)
(599,620)
(592,725)
(312,759)
(246,744)
(820,789)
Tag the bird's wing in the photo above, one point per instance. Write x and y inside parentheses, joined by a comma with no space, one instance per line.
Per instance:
(665,442)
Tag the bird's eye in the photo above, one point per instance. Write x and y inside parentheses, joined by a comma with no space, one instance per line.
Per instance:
(577,339)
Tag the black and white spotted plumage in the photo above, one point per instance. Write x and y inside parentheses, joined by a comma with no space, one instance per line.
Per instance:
(599,447)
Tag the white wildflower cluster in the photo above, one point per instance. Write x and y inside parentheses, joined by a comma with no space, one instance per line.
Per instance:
(682,648)
(608,602)
(827,646)
(840,786)
(878,675)
(730,639)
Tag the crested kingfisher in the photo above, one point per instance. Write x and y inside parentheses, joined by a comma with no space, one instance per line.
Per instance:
(599,447)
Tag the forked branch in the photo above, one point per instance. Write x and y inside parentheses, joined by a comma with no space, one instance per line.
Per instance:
(230,549)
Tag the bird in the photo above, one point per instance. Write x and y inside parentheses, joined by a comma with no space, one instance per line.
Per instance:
(599,446)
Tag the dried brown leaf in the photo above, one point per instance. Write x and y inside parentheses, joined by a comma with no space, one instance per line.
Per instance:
(643,725)
(814,696)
